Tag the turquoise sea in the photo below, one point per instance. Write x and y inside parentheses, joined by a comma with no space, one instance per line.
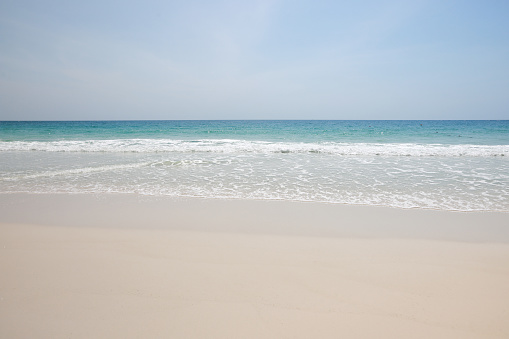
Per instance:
(446,165)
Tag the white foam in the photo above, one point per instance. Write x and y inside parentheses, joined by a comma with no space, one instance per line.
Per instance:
(450,177)
(74,171)
(230,146)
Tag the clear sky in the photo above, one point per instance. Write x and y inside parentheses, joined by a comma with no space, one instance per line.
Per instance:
(109,59)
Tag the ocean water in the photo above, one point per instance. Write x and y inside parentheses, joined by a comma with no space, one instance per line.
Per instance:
(445,165)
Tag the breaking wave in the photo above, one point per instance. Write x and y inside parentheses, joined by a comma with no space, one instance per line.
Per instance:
(231,146)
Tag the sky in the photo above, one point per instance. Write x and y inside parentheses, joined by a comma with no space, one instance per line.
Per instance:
(258,59)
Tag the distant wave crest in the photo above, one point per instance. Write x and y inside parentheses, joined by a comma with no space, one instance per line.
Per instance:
(230,146)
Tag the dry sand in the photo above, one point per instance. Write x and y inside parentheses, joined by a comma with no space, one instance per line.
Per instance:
(79,266)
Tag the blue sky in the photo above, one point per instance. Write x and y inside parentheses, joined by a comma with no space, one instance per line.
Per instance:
(65,60)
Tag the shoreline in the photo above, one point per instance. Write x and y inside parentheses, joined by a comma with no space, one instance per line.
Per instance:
(252,216)
(174,198)
(129,266)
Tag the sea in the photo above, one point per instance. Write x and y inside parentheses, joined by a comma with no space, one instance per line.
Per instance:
(441,165)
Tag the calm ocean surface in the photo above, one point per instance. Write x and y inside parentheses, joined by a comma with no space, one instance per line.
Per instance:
(446,165)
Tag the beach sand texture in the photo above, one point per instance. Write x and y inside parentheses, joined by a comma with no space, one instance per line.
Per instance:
(85,266)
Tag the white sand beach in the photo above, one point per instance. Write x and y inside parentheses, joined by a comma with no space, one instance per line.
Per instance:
(124,266)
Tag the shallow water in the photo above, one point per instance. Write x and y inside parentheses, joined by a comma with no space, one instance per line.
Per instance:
(448,165)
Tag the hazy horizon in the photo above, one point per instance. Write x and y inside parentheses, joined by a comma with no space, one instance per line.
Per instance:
(106,120)
(259,60)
